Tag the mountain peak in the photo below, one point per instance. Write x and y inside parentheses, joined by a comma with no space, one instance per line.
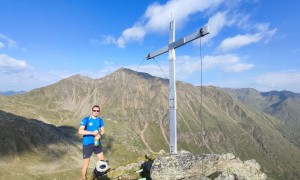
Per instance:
(125,72)
(122,69)
(79,77)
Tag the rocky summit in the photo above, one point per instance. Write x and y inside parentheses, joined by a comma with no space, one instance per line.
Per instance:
(185,165)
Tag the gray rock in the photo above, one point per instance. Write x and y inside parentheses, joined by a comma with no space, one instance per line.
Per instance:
(185,165)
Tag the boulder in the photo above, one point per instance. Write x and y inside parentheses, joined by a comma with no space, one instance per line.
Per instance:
(187,166)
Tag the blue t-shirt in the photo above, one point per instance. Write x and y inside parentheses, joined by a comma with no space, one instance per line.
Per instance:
(91,124)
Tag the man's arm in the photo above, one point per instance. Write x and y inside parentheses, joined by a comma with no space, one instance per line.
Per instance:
(101,131)
(100,134)
(85,132)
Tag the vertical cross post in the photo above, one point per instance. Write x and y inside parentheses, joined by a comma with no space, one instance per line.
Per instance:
(172,81)
(172,92)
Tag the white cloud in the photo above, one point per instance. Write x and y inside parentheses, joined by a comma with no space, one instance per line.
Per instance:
(220,61)
(135,33)
(9,64)
(283,80)
(224,19)
(187,65)
(241,21)
(2,45)
(225,62)
(216,23)
(105,39)
(238,41)
(16,74)
(10,43)
(29,79)
(239,67)
(157,17)
(109,40)
(264,31)
(262,27)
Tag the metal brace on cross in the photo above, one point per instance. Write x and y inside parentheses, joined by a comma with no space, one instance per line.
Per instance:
(172,82)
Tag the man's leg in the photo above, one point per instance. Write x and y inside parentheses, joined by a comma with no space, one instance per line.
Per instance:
(99,152)
(84,168)
(87,152)
(100,156)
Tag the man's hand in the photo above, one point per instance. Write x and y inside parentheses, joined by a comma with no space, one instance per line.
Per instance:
(97,136)
(95,133)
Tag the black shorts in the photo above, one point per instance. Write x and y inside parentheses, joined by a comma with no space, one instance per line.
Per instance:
(88,150)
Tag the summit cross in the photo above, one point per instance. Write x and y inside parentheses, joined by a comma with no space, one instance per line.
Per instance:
(172,82)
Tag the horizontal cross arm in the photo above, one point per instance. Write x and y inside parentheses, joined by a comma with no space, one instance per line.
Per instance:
(157,53)
(200,33)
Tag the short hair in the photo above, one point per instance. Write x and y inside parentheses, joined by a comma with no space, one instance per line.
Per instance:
(96,106)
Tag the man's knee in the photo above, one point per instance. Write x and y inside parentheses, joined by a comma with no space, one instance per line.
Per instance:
(86,162)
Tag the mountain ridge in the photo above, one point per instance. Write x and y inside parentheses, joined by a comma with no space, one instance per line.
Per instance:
(134,107)
(11,93)
(284,105)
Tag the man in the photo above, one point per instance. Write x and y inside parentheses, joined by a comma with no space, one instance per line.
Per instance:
(89,128)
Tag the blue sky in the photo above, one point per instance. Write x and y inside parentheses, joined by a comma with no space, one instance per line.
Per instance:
(252,43)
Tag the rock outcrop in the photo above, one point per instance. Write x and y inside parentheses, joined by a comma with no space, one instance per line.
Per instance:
(187,166)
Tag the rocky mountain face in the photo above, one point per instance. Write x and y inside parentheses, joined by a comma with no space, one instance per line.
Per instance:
(134,107)
(284,105)
(187,166)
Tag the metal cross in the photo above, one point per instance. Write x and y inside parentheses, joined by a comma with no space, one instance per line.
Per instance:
(172,82)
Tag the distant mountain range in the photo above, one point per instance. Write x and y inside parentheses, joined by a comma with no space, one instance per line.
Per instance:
(134,107)
(10,93)
(284,105)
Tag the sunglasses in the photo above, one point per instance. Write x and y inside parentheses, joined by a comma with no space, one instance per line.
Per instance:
(96,110)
